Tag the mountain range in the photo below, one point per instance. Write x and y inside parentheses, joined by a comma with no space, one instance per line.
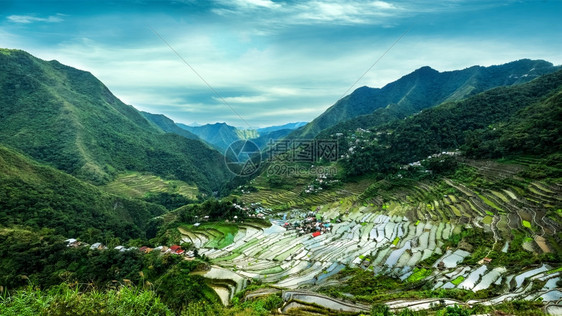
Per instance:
(82,129)
(287,126)
(423,88)
(221,135)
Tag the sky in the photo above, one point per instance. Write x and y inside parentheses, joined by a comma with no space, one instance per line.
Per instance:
(256,63)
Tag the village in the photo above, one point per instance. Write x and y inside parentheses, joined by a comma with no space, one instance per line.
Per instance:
(174,249)
(254,211)
(306,223)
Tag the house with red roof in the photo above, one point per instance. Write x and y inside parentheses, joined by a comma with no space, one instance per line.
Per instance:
(176,249)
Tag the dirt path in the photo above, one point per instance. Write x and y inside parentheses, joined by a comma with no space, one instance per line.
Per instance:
(537,223)
(495,220)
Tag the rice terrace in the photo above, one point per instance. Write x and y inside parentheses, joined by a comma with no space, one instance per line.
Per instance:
(280,157)
(440,236)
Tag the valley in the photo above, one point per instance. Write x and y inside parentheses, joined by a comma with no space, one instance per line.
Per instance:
(439,194)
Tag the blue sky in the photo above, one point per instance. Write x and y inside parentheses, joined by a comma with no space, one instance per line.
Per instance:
(272,62)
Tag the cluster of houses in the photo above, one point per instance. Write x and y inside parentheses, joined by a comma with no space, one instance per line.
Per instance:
(254,211)
(441,154)
(362,137)
(321,182)
(311,188)
(246,189)
(311,224)
(258,211)
(175,249)
(356,140)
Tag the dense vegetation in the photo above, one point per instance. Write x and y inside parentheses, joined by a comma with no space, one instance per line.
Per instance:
(70,300)
(38,196)
(53,279)
(171,201)
(69,119)
(535,130)
(126,300)
(42,259)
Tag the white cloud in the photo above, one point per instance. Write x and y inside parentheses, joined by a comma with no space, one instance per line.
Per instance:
(245,99)
(312,11)
(30,19)
(346,12)
(285,112)
(259,3)
(383,5)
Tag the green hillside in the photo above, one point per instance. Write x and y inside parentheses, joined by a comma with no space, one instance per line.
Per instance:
(506,121)
(67,118)
(423,88)
(167,125)
(39,196)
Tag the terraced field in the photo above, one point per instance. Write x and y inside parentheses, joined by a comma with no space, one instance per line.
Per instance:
(289,261)
(137,185)
(215,235)
(279,199)
(400,233)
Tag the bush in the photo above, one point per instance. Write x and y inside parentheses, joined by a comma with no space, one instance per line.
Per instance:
(64,300)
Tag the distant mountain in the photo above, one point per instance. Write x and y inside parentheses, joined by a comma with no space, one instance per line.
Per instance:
(288,126)
(418,90)
(67,118)
(38,196)
(167,125)
(221,135)
(264,139)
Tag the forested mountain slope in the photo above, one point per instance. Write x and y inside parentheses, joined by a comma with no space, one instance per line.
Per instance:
(522,119)
(418,90)
(69,119)
(39,196)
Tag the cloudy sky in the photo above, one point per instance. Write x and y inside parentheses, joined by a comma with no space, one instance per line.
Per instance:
(267,62)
